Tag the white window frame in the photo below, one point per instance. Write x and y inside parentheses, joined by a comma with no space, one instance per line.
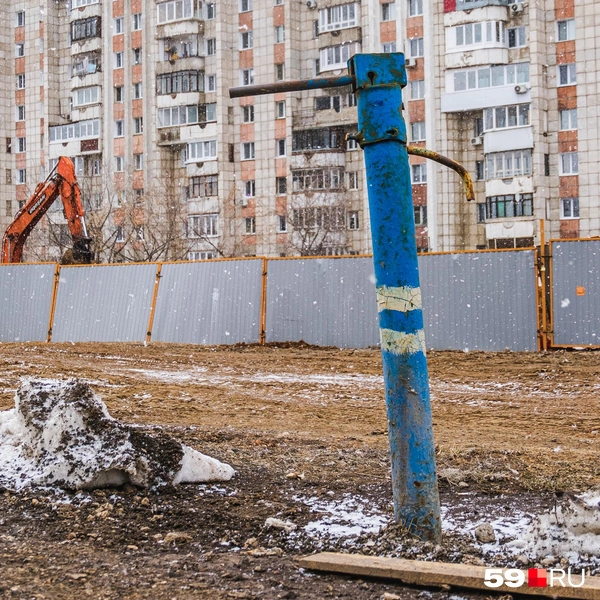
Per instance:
(119,128)
(138,162)
(343,16)
(281,224)
(211,46)
(388,11)
(388,47)
(419,86)
(250,188)
(201,151)
(499,117)
(415,8)
(418,131)
(211,83)
(352,180)
(247,77)
(246,40)
(119,60)
(248,151)
(119,25)
(415,47)
(250,223)
(136,56)
(119,165)
(567,119)
(280,109)
(520,35)
(138,125)
(248,113)
(21,176)
(568,163)
(200,226)
(565,30)
(476,78)
(420,215)
(21,145)
(136,21)
(119,93)
(81,130)
(20,49)
(569,208)
(279,34)
(418,173)
(245,6)
(20,18)
(176,10)
(86,96)
(353,218)
(337,57)
(138,90)
(566,74)
(509,164)
(81,3)
(280,147)
(21,81)
(20,116)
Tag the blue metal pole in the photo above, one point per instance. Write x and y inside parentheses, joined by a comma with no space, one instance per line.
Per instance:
(379,79)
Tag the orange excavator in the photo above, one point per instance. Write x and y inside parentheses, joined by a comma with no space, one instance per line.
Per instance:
(62,182)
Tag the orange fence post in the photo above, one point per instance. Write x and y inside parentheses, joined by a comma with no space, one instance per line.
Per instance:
(153,305)
(53,302)
(263,305)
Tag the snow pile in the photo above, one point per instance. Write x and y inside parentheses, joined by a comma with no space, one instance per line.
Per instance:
(571,530)
(60,433)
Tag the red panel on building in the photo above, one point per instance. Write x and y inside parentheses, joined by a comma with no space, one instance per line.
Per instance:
(449,5)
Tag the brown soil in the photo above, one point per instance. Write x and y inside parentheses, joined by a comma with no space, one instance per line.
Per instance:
(295,422)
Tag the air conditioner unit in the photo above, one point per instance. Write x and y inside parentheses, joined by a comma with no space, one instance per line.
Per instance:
(312,4)
(411,62)
(477,141)
(516,8)
(522,88)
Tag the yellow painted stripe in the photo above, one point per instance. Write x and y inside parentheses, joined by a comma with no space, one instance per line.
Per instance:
(397,342)
(398,298)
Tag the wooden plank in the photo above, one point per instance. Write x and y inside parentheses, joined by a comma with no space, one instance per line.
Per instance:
(436,574)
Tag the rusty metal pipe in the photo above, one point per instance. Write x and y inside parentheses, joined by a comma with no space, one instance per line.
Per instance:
(298,85)
(447,162)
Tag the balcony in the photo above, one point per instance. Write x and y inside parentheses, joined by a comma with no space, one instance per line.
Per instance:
(191,26)
(513,138)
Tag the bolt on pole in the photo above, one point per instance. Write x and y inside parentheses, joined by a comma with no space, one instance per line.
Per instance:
(379,79)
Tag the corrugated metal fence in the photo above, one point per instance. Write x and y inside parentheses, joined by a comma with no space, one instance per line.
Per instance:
(473,300)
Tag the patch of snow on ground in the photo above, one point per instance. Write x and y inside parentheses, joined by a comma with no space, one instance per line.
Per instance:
(351,517)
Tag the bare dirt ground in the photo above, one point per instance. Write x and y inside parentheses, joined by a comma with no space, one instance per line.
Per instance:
(305,429)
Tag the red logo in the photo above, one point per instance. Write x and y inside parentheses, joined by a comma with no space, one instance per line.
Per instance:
(537,578)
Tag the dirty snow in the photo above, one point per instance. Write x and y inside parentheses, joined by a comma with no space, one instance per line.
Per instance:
(60,433)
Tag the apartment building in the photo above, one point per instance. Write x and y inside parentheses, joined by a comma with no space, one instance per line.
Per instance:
(136,93)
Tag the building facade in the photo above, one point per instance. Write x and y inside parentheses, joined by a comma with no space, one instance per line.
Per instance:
(136,93)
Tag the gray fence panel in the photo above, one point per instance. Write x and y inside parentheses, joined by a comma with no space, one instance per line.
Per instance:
(209,302)
(479,301)
(103,303)
(326,302)
(26,293)
(576,317)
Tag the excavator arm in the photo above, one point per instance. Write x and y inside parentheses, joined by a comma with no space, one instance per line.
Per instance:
(61,182)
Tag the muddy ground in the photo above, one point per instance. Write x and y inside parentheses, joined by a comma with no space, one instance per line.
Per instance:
(305,429)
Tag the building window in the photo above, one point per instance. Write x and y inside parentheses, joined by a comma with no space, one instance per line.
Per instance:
(388,11)
(201,151)
(137,91)
(485,77)
(120,235)
(138,125)
(280,71)
(281,224)
(21,112)
(420,215)
(21,175)
(245,5)
(280,109)
(568,119)
(250,225)
(248,113)
(418,173)
(201,255)
(337,57)
(476,34)
(80,3)
(569,163)
(119,164)
(352,180)
(279,34)
(211,10)
(415,8)
(211,46)
(20,18)
(503,165)
(569,208)
(338,17)
(417,131)
(517,37)
(248,151)
(353,220)
(326,178)
(324,218)
(119,25)
(417,89)
(508,206)
(202,226)
(119,93)
(175,11)
(211,83)
(137,21)
(138,162)
(119,60)
(280,147)
(565,30)
(119,128)
(247,77)
(186,115)
(21,81)
(85,29)
(388,47)
(87,95)
(415,47)
(21,144)
(19,50)
(137,56)
(502,117)
(205,186)
(317,139)
(281,185)
(180,81)
(567,74)
(250,188)
(246,40)
(82,130)
(479,170)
